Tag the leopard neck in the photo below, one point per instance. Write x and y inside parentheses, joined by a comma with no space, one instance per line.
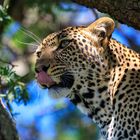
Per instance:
(90,93)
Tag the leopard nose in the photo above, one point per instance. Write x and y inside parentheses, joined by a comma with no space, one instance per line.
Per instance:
(41,68)
(45,68)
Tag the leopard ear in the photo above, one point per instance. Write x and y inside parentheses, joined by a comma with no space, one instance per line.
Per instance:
(102,29)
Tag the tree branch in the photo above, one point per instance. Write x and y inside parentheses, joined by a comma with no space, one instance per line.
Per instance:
(7,127)
(125,11)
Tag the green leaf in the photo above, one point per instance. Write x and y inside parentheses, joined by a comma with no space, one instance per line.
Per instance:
(2,95)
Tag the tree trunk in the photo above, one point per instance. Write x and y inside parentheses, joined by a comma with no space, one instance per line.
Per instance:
(125,11)
(7,127)
(1,2)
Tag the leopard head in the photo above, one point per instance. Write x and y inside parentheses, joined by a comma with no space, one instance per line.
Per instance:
(64,57)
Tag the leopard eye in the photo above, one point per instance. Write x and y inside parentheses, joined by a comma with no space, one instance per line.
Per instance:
(64,43)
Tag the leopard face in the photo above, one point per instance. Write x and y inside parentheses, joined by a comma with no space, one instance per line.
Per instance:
(64,57)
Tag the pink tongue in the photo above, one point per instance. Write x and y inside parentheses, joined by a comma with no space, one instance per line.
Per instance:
(44,79)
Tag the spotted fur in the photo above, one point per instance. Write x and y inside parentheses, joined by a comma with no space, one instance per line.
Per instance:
(98,74)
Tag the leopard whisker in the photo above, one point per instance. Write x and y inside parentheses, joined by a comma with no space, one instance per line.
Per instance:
(26,43)
(31,35)
(28,31)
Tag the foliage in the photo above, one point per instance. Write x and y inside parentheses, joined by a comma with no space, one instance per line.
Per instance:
(11,87)
(4,17)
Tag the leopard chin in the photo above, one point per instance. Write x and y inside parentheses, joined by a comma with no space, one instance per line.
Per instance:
(58,92)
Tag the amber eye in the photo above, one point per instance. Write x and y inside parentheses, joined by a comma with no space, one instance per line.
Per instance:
(64,43)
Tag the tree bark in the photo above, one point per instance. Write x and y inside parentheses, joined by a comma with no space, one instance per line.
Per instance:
(125,11)
(7,127)
(1,2)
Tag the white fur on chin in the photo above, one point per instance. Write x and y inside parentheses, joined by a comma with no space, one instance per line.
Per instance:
(58,92)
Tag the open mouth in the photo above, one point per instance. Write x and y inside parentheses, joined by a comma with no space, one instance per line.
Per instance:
(46,81)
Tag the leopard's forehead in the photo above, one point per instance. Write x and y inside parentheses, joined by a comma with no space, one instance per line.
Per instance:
(50,40)
(69,32)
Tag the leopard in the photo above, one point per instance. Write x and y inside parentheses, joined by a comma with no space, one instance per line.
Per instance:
(97,73)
